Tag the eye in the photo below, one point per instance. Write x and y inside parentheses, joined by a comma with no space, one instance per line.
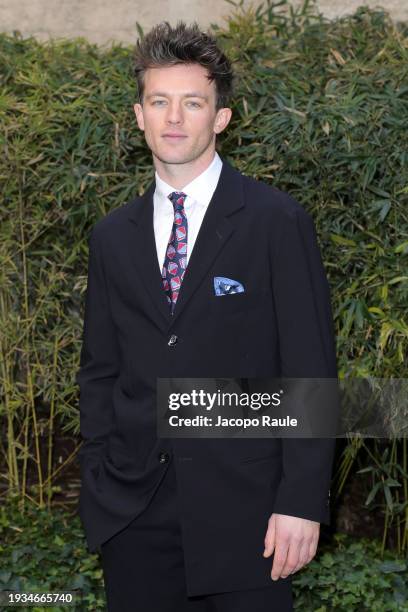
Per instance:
(195,103)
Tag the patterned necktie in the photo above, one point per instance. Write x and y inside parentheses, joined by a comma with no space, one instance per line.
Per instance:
(175,261)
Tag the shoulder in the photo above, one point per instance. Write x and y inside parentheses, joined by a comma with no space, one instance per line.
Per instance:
(271,203)
(113,222)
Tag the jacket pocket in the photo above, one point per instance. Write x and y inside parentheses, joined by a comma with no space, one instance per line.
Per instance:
(273,455)
(237,302)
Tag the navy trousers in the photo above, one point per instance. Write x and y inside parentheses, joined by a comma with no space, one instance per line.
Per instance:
(143,567)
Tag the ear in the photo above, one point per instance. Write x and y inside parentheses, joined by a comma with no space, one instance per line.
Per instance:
(222,119)
(139,115)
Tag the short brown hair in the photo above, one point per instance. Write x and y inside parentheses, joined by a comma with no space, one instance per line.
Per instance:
(167,46)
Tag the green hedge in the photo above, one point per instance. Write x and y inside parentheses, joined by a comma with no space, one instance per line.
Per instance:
(46,551)
(321,112)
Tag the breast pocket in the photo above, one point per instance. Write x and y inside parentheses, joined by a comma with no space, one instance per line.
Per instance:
(237,302)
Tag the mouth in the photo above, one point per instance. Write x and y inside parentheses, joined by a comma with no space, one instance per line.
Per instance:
(174,137)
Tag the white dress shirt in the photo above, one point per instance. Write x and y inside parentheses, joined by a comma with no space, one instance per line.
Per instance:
(199,193)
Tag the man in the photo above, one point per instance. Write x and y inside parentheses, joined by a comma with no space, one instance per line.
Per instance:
(198,524)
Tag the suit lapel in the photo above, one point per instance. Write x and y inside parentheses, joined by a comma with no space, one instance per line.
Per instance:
(144,255)
(215,231)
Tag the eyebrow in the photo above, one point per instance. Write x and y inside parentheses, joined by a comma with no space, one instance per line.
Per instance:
(191,94)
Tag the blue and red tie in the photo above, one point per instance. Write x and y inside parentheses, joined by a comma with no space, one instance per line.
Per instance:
(175,261)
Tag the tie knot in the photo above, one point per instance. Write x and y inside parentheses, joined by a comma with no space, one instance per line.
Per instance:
(177,198)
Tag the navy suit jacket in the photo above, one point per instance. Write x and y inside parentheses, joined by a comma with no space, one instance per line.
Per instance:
(281,326)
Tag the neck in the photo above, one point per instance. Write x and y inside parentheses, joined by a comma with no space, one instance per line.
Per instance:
(179,175)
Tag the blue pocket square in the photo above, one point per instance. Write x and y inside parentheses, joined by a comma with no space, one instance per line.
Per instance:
(225,286)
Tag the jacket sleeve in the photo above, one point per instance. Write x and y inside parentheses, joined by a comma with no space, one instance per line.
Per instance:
(307,350)
(99,359)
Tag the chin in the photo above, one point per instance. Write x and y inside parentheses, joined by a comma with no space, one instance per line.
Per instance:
(175,157)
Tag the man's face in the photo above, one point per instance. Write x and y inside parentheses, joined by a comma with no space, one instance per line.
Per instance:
(180,100)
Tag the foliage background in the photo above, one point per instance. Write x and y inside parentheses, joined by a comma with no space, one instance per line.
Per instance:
(320,111)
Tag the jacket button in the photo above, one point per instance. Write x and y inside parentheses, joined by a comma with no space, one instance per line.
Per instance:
(172,340)
(163,457)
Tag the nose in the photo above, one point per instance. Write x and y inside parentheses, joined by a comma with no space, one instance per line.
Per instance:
(175,113)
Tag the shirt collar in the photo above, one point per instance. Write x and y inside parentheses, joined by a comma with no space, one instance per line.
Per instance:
(200,189)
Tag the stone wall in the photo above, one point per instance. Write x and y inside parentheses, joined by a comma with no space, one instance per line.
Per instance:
(104,21)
